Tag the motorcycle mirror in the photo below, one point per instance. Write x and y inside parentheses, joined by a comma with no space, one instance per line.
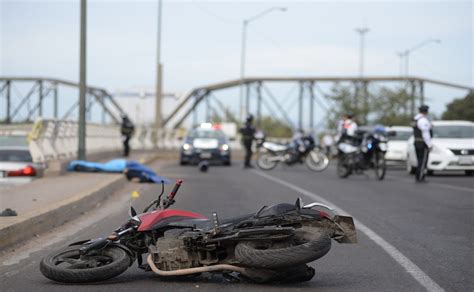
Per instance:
(133,212)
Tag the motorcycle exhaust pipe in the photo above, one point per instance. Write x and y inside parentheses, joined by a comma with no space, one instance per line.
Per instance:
(190,271)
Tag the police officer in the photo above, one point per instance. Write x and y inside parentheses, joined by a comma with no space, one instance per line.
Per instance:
(248,133)
(126,129)
(422,130)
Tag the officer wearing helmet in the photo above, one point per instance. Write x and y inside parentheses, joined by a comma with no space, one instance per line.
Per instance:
(248,133)
(127,128)
(422,130)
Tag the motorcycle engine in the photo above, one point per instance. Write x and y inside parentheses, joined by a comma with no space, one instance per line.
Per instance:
(174,251)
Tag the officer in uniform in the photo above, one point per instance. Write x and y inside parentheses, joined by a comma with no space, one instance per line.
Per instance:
(248,133)
(126,129)
(422,130)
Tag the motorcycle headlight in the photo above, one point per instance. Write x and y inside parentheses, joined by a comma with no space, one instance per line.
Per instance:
(187,146)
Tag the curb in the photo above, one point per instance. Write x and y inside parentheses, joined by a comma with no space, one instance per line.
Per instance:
(41,220)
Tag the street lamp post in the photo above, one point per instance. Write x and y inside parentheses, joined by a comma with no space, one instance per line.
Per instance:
(406,54)
(81,149)
(362,31)
(245,24)
(159,71)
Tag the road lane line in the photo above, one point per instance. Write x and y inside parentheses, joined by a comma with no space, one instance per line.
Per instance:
(429,183)
(421,277)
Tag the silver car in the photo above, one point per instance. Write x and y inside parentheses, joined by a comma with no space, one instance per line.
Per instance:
(17,166)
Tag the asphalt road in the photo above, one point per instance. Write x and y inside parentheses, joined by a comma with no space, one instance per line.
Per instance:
(412,237)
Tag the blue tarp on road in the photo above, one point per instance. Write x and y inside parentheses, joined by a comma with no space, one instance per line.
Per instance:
(132,169)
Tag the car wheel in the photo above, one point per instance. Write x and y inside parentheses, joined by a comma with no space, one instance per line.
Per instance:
(468,172)
(430,172)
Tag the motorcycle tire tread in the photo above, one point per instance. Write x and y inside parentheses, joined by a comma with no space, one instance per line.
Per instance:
(119,265)
(307,252)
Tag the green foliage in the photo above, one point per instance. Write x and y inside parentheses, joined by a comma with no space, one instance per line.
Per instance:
(460,109)
(275,128)
(386,106)
(391,107)
(347,100)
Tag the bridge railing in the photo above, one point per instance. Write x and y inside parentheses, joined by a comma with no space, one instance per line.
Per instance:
(52,139)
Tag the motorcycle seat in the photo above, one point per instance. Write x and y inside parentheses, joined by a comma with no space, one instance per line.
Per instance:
(275,147)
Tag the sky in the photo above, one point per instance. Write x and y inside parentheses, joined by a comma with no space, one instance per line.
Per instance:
(201,41)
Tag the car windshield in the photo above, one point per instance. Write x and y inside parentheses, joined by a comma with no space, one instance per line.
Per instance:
(200,133)
(13,141)
(401,136)
(453,131)
(12,155)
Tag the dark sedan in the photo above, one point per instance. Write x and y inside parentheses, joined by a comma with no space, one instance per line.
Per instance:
(205,144)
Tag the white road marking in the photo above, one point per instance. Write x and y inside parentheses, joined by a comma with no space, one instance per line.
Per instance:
(421,277)
(429,183)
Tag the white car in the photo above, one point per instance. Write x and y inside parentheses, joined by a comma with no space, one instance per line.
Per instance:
(453,148)
(397,143)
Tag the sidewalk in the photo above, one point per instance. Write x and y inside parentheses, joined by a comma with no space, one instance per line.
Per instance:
(51,201)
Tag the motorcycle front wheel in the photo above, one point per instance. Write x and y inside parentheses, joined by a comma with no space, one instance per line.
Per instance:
(316,160)
(380,166)
(69,266)
(264,161)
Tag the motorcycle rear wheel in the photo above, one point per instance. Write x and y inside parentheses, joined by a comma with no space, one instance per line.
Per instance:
(343,170)
(264,163)
(317,161)
(311,247)
(69,266)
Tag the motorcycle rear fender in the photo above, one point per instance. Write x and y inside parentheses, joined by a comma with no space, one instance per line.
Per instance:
(346,223)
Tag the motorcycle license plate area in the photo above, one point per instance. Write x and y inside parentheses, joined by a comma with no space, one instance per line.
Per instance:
(465,160)
(347,224)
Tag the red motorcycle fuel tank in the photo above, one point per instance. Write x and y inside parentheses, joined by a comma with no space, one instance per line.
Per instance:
(154,219)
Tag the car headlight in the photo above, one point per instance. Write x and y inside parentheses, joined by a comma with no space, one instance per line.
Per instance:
(225,147)
(186,146)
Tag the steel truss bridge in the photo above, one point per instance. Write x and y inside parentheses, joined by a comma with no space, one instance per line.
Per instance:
(256,90)
(42,89)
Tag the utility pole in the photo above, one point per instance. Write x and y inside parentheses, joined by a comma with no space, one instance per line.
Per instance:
(360,87)
(245,24)
(81,151)
(361,31)
(159,71)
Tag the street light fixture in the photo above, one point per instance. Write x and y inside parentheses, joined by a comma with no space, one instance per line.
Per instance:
(245,23)
(406,54)
(362,31)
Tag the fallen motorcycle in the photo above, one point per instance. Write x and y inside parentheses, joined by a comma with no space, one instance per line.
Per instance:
(272,245)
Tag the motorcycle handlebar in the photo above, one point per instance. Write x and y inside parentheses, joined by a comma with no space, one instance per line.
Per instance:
(175,189)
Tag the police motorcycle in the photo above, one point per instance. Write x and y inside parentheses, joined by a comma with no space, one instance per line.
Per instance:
(363,152)
(301,150)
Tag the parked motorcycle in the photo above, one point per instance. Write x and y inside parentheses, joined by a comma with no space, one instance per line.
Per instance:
(271,154)
(273,244)
(360,154)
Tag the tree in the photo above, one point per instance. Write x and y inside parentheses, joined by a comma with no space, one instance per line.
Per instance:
(275,128)
(391,107)
(460,109)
